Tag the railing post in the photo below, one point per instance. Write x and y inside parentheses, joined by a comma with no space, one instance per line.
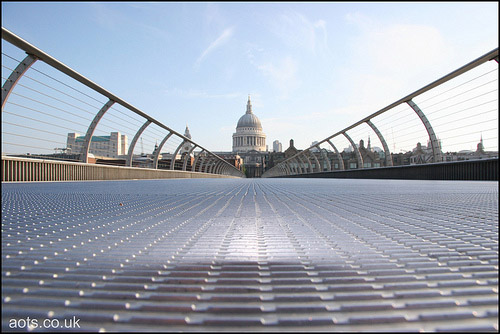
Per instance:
(172,162)
(213,167)
(319,168)
(14,77)
(304,170)
(213,163)
(203,162)
(311,170)
(324,153)
(84,154)
(221,165)
(158,150)
(436,150)
(193,169)
(339,156)
(298,167)
(358,155)
(287,168)
(222,170)
(217,167)
(134,141)
(208,167)
(388,156)
(295,166)
(283,169)
(184,166)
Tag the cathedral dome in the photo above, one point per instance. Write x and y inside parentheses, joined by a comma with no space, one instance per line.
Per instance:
(249,135)
(249,121)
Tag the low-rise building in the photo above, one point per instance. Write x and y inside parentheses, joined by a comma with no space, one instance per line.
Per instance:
(113,146)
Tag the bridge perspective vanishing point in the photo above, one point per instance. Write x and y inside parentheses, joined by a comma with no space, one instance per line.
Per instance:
(181,241)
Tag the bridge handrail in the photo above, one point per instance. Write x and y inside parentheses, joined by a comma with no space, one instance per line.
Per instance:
(40,55)
(492,55)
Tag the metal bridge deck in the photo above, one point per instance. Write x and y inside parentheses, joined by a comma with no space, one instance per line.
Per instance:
(250,255)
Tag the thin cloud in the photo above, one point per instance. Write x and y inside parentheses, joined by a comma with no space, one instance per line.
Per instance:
(282,76)
(221,40)
(297,31)
(105,16)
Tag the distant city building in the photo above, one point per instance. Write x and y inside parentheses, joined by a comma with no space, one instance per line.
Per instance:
(249,135)
(231,158)
(329,160)
(421,154)
(291,150)
(277,147)
(314,149)
(480,153)
(370,158)
(112,146)
(187,145)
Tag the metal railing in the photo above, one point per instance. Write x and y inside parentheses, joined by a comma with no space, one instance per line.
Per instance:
(460,123)
(46,105)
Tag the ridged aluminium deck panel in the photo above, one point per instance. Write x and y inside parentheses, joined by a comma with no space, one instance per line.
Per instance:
(252,255)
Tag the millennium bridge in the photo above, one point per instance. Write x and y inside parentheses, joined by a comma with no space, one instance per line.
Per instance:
(183,242)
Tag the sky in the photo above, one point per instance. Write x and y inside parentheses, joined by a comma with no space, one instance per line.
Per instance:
(311,69)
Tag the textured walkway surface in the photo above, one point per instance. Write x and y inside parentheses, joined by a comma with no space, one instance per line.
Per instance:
(270,255)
